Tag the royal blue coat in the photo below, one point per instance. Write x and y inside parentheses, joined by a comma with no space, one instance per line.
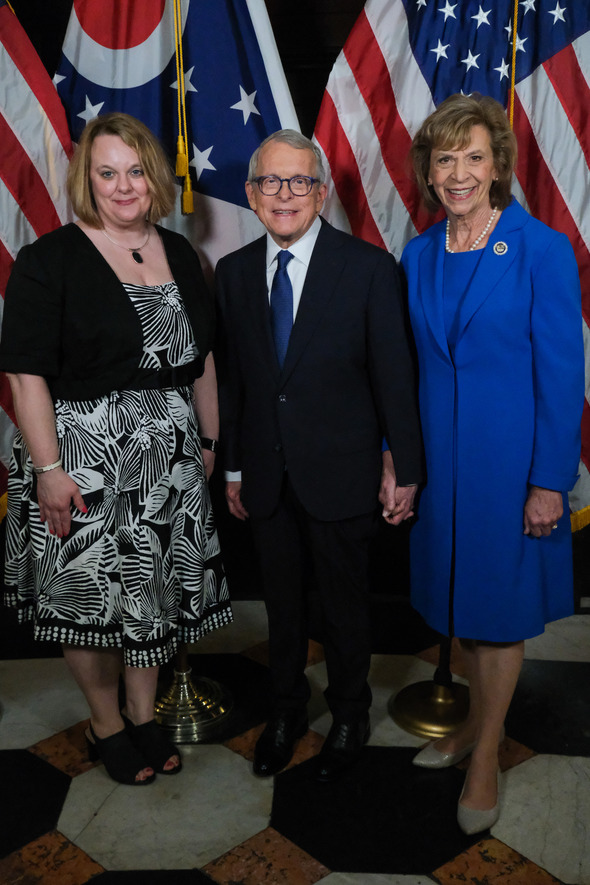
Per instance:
(502,415)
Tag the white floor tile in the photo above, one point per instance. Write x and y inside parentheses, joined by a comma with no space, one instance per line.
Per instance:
(178,822)
(40,698)
(565,640)
(249,627)
(545,815)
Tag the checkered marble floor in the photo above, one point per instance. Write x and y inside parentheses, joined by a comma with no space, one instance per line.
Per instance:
(384,823)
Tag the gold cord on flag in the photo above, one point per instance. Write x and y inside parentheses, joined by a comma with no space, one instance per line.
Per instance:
(513,67)
(182,169)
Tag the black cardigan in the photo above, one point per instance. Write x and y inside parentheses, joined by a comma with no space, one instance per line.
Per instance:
(68,318)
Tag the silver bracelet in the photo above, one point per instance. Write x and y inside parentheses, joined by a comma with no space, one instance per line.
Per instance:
(47,467)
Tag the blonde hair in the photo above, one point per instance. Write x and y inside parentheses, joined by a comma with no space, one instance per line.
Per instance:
(153,160)
(449,127)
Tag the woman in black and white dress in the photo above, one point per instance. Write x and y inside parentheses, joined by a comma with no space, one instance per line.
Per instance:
(111,545)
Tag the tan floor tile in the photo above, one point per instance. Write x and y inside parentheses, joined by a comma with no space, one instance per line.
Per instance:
(50,860)
(309,745)
(315,653)
(66,750)
(490,862)
(512,753)
(266,859)
(244,743)
(258,653)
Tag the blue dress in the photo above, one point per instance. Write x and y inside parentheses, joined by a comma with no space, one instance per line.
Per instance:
(500,405)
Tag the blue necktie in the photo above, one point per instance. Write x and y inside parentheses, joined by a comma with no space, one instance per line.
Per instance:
(281,305)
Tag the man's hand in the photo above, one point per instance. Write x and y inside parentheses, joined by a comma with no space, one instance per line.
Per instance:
(397,501)
(233,496)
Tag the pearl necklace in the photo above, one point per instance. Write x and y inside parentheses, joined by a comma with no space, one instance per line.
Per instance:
(476,242)
(134,252)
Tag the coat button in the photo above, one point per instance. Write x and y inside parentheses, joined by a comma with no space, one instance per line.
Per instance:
(282,398)
(278,447)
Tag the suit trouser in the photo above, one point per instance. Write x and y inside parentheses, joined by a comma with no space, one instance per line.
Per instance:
(339,557)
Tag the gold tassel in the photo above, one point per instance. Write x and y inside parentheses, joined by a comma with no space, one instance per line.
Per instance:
(181,158)
(188,206)
(580,519)
(182,165)
(513,71)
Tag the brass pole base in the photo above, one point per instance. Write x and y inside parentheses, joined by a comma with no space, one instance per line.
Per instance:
(430,710)
(194,712)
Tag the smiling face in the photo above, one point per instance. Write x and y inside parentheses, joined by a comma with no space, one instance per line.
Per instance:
(120,190)
(285,216)
(462,178)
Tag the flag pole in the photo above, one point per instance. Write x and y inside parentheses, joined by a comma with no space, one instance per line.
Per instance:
(437,707)
(193,712)
(434,708)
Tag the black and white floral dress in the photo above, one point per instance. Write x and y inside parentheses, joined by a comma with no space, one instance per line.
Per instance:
(141,570)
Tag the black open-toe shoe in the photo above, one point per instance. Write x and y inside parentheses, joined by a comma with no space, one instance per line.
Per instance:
(153,745)
(122,760)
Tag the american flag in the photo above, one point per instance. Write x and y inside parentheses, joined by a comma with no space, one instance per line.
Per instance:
(116,57)
(402,58)
(34,149)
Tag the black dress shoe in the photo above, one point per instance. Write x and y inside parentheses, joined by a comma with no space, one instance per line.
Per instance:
(274,748)
(342,748)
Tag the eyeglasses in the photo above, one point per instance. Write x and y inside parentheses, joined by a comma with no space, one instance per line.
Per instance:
(299,185)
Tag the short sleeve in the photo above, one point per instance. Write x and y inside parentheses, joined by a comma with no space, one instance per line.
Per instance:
(31,324)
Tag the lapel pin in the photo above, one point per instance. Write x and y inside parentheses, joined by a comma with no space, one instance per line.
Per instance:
(500,248)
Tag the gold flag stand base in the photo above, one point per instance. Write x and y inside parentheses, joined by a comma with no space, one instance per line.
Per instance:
(432,709)
(193,711)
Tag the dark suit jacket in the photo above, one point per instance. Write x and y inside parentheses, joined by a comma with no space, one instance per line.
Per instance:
(346,383)
(68,318)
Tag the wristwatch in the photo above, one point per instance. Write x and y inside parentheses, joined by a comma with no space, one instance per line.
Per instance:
(211,444)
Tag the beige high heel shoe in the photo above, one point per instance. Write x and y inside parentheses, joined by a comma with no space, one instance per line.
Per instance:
(430,757)
(475,820)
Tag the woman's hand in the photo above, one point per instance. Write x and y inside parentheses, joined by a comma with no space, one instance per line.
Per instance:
(542,510)
(56,492)
(208,462)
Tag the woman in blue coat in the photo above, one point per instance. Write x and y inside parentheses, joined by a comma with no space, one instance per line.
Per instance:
(494,301)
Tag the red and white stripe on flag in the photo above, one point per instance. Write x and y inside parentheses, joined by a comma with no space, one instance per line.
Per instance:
(35,147)
(375,100)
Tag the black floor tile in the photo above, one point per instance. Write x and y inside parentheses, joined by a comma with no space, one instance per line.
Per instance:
(382,815)
(32,796)
(153,877)
(550,711)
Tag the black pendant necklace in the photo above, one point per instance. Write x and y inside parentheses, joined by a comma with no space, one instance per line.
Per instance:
(135,251)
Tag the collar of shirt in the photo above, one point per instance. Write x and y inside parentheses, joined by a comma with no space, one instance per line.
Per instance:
(301,251)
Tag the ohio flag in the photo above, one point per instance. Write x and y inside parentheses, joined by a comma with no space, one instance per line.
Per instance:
(120,55)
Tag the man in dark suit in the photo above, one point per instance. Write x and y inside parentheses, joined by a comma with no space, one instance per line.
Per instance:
(314,372)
